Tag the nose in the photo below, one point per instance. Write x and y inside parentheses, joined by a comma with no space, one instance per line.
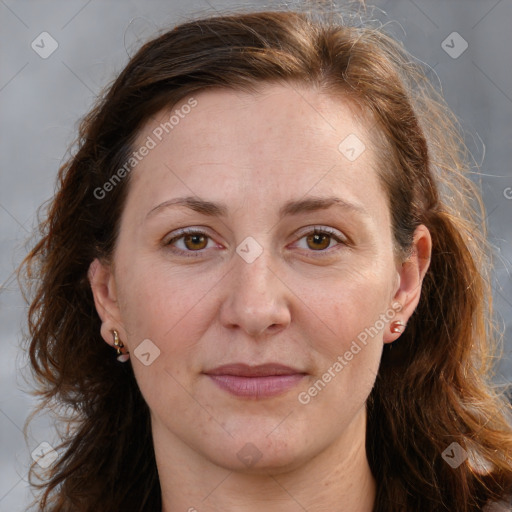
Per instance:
(257,300)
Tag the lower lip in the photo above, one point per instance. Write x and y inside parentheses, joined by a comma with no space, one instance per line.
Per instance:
(257,387)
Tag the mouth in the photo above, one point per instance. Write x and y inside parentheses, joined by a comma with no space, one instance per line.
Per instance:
(256,382)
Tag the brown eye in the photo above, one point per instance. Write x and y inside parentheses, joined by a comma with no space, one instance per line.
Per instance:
(195,242)
(322,240)
(319,241)
(190,242)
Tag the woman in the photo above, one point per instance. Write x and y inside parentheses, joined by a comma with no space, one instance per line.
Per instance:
(262,284)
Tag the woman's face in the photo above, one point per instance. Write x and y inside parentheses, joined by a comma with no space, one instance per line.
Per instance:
(251,176)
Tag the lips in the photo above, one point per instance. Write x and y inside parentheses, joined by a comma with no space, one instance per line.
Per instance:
(245,370)
(261,381)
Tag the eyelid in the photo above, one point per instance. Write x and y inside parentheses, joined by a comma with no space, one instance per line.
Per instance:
(308,230)
(322,229)
(339,237)
(175,235)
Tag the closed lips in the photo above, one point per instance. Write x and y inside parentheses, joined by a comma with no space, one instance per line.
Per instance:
(245,370)
(255,382)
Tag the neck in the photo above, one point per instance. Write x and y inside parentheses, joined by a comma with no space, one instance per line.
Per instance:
(339,478)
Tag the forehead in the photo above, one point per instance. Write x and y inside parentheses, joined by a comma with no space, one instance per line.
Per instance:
(282,140)
(276,117)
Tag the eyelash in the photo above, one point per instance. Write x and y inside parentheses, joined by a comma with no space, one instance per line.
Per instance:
(197,254)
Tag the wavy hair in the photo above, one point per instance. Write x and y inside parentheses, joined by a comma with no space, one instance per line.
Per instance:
(434,383)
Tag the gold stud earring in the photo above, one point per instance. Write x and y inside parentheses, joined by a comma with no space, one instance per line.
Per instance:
(397,327)
(122,355)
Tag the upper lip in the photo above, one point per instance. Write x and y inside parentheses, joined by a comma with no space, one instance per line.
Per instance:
(246,370)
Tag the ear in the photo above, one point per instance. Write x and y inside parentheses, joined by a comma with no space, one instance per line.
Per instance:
(410,279)
(103,287)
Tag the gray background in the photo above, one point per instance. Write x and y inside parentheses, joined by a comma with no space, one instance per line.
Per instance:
(41,101)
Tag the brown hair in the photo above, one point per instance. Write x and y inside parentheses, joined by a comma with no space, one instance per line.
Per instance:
(433,386)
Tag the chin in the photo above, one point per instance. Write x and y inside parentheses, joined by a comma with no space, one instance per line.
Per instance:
(261,454)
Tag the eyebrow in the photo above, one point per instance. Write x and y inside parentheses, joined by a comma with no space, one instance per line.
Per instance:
(296,207)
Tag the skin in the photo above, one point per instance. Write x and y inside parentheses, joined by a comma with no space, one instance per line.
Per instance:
(300,303)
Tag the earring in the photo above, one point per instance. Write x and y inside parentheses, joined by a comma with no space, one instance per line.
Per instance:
(122,356)
(397,327)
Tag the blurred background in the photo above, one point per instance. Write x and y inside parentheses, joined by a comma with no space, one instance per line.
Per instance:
(56,56)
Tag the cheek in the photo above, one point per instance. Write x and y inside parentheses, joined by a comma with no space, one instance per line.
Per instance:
(351,354)
(158,306)
(348,360)
(161,302)
(346,325)
(351,306)
(172,308)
